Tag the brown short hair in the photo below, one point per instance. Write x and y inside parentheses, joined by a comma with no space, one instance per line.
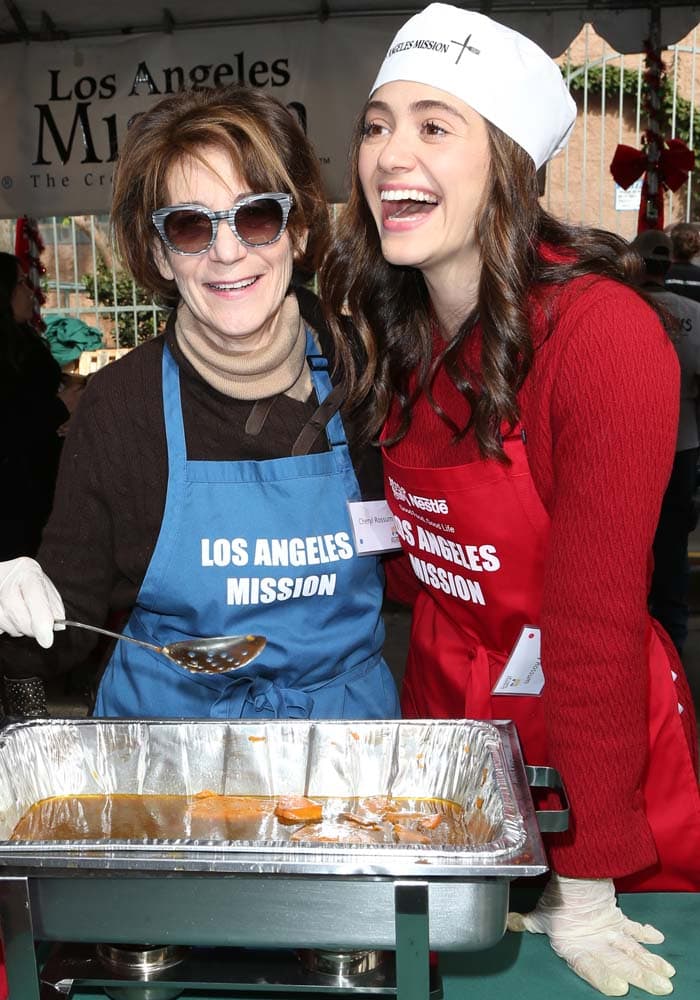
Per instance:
(686,241)
(267,147)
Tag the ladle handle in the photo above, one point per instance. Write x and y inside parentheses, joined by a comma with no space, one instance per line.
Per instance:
(105,631)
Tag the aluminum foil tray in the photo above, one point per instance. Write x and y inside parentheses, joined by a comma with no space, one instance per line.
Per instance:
(457,760)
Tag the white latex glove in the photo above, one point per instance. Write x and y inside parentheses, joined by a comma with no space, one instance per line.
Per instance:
(29,602)
(588,930)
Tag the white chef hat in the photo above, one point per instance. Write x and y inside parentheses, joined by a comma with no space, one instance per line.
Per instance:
(500,73)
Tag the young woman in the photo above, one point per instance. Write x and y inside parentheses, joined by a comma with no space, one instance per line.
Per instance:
(527,400)
(207,478)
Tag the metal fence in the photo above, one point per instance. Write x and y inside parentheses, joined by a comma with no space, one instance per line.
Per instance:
(607,87)
(84,281)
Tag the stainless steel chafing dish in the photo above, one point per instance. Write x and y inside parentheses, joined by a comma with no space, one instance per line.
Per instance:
(265,894)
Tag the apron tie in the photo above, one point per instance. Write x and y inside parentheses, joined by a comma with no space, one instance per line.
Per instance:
(265,697)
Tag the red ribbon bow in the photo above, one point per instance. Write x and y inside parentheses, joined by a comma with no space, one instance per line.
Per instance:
(675,163)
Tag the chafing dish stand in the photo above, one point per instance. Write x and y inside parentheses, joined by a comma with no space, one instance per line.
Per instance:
(245,909)
(142,904)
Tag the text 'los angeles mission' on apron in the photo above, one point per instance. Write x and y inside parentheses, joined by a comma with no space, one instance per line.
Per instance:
(265,548)
(476,535)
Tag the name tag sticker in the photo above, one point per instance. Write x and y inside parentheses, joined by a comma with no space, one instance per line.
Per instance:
(522,673)
(373,527)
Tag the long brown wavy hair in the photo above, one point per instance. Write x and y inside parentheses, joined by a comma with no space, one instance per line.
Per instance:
(391,338)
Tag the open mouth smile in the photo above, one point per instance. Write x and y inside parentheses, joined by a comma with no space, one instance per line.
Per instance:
(405,205)
(232,286)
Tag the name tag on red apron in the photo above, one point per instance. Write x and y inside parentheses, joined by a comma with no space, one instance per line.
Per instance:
(373,526)
(522,673)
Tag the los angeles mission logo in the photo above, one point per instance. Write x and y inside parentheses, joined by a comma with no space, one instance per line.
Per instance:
(433,505)
(423,544)
(432,45)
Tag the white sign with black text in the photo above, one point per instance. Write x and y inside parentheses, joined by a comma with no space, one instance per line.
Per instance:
(522,673)
(373,526)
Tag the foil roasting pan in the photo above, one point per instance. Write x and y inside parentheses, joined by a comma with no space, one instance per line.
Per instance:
(266,894)
(474,764)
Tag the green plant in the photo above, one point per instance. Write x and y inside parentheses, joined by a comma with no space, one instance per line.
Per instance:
(630,83)
(133,322)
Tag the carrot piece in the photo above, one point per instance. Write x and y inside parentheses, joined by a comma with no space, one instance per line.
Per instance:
(228,807)
(430,822)
(297,809)
(359,819)
(403,835)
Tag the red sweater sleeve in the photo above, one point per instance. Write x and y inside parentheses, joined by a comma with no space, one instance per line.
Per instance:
(601,410)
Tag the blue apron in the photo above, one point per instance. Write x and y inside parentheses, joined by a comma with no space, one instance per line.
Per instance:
(265,548)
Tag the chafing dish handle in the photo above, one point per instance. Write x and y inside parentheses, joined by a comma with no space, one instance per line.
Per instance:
(549,820)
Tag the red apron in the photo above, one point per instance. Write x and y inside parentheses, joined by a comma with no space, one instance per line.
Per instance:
(476,536)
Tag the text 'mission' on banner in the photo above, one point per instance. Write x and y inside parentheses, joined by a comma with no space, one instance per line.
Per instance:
(67,105)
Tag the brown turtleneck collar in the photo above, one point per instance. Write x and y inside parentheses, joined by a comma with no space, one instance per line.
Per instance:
(278,368)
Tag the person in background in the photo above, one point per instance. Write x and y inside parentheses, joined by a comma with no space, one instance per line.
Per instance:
(207,481)
(683,275)
(33,408)
(32,411)
(527,400)
(668,597)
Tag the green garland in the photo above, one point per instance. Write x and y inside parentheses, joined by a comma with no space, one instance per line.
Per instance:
(630,87)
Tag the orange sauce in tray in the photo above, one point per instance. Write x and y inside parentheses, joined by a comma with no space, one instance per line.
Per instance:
(294,819)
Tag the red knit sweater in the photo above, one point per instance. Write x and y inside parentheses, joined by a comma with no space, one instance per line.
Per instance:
(600,409)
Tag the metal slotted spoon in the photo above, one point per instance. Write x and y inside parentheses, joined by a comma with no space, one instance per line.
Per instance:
(215,655)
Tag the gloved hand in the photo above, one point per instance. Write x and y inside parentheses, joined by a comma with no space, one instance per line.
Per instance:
(588,930)
(29,602)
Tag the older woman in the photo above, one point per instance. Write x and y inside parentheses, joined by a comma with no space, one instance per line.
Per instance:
(207,479)
(525,462)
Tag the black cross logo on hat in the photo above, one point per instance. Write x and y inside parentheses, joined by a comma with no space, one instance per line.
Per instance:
(465,45)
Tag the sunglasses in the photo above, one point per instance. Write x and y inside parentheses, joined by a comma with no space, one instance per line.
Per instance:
(256,220)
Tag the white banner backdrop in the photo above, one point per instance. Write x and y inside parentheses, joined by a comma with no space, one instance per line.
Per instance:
(65,107)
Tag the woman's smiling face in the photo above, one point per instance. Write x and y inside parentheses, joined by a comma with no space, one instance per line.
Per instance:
(424,168)
(233,292)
